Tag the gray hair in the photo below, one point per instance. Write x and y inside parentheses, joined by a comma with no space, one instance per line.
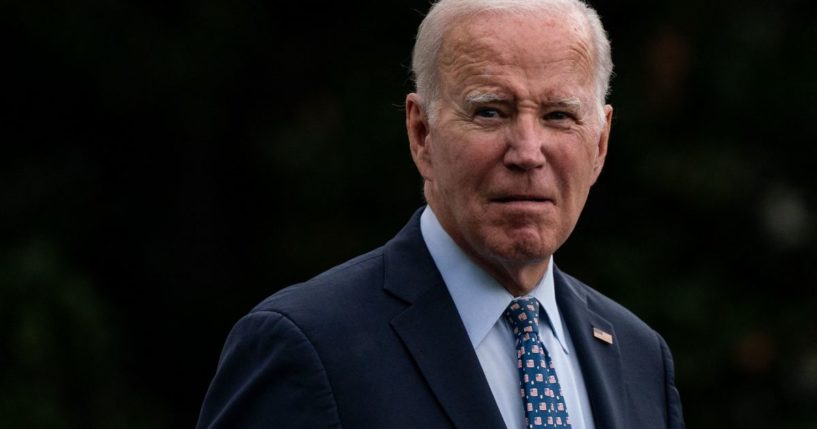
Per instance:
(445,12)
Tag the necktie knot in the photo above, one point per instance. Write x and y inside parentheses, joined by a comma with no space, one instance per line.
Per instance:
(523,315)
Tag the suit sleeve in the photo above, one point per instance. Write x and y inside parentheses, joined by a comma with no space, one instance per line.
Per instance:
(269,375)
(675,415)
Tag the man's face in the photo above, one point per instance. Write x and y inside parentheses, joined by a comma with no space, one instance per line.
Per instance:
(518,139)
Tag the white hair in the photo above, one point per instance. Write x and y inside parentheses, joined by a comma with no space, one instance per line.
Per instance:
(444,13)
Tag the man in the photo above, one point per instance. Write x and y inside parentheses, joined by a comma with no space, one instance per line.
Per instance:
(462,320)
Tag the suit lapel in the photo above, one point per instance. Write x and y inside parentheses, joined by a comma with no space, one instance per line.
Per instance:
(434,334)
(600,361)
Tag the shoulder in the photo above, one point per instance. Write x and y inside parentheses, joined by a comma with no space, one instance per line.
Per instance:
(276,361)
(336,286)
(628,326)
(377,283)
(644,358)
(347,300)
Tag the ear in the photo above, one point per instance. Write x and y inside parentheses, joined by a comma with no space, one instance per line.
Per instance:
(604,138)
(418,134)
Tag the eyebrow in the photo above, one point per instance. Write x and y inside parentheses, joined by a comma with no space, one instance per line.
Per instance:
(568,103)
(480,97)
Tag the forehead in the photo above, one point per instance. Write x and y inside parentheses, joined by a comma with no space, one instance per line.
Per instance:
(536,45)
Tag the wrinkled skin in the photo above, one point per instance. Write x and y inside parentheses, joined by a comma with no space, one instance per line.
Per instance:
(517,141)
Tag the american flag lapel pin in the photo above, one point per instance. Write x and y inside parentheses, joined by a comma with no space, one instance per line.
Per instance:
(603,336)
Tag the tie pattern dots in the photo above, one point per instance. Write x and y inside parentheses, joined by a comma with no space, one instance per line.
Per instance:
(544,404)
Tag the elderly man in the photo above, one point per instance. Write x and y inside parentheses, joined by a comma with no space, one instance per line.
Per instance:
(463,320)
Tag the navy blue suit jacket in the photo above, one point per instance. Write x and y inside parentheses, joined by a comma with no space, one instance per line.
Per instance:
(377,343)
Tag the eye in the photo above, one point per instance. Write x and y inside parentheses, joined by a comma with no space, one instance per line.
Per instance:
(487,112)
(558,116)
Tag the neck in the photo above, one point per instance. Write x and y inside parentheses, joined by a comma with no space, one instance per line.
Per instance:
(517,279)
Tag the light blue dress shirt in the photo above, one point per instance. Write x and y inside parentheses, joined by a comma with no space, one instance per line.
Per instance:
(481,302)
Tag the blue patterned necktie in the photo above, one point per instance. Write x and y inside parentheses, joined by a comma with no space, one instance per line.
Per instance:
(544,404)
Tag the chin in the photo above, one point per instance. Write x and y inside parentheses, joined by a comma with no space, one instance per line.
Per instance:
(527,249)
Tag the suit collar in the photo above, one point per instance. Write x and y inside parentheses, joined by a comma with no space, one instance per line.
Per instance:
(433,333)
(409,269)
(600,362)
(479,298)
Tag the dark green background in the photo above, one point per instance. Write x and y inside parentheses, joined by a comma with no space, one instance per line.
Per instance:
(165,166)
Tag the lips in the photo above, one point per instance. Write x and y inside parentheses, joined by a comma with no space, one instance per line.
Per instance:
(522,198)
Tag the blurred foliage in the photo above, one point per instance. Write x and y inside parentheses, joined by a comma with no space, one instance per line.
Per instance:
(165,166)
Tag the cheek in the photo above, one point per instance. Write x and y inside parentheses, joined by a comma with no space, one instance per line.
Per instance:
(574,167)
(467,161)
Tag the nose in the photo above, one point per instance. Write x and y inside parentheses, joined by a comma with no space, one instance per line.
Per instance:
(525,148)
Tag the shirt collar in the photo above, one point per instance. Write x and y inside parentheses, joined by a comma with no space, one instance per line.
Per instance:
(481,300)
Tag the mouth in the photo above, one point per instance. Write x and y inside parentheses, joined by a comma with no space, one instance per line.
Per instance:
(509,199)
